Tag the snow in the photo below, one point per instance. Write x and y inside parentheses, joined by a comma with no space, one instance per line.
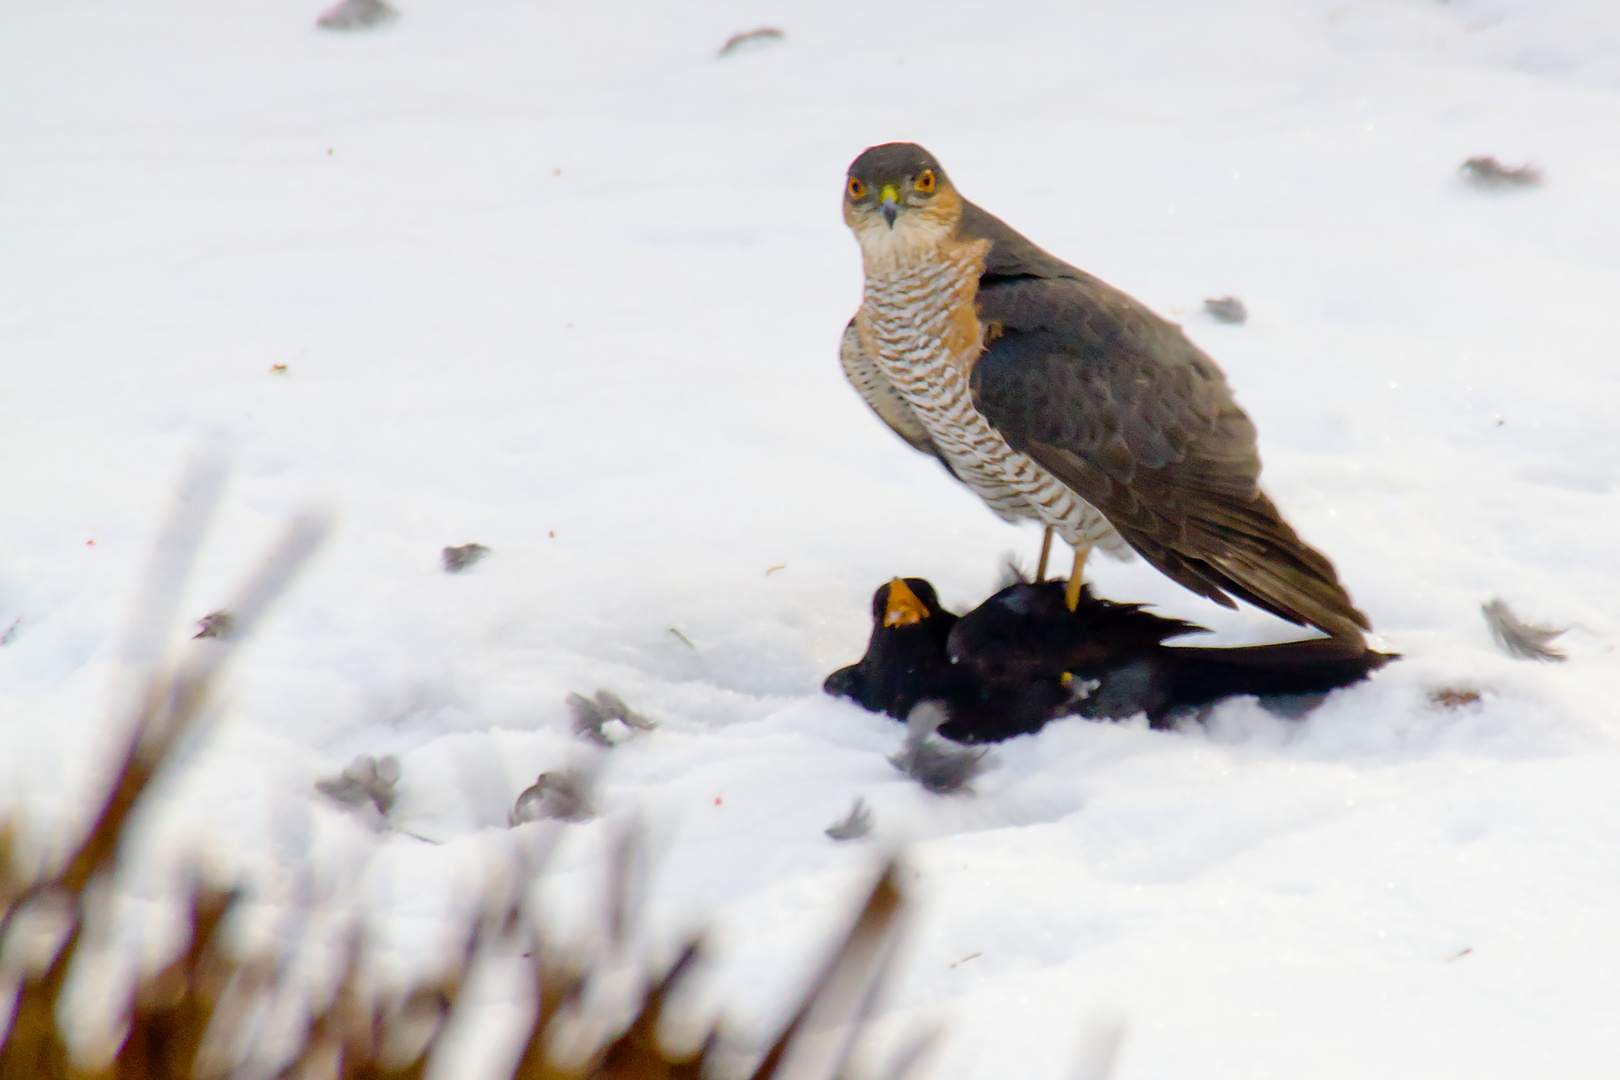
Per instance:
(558,280)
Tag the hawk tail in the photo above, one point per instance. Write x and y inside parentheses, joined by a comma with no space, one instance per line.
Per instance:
(1245,549)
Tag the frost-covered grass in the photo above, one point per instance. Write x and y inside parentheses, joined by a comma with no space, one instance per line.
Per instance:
(557,280)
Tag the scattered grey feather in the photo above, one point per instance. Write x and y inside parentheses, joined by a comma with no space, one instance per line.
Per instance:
(591,718)
(1228,309)
(1487,172)
(616,709)
(761,36)
(588,719)
(1011,572)
(214,624)
(563,796)
(938,765)
(853,826)
(457,559)
(10,634)
(356,15)
(1455,697)
(365,781)
(1518,638)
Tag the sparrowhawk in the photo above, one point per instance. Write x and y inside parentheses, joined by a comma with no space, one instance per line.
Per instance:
(1059,399)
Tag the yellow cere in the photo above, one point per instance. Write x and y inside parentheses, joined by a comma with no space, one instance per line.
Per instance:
(888,194)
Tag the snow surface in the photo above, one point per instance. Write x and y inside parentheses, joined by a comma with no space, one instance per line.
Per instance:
(556,279)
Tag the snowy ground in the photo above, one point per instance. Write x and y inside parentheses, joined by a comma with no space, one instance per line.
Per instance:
(556,279)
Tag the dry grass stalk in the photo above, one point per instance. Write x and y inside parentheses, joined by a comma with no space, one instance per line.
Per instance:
(167,710)
(191,1019)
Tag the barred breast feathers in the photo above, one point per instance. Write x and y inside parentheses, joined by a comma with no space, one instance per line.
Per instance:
(918,323)
(863,373)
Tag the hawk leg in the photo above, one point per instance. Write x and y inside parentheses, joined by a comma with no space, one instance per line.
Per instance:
(1071,593)
(1046,552)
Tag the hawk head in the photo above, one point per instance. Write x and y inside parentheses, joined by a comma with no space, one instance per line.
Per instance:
(897,196)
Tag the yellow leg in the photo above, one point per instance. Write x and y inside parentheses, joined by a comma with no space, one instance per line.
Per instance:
(1046,552)
(1071,595)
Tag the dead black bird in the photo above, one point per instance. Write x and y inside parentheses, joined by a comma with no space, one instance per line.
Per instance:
(905,659)
(907,663)
(1113,660)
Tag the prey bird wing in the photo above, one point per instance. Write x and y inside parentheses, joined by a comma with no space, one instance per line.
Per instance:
(1131,416)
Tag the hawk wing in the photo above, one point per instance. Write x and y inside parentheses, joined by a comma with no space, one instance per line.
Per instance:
(1118,404)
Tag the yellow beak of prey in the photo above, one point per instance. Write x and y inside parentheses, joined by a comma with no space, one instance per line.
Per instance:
(903,607)
(891,210)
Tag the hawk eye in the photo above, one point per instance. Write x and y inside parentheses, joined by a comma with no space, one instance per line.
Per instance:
(856,188)
(925,182)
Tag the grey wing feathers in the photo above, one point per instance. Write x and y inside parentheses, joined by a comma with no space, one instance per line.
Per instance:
(1127,412)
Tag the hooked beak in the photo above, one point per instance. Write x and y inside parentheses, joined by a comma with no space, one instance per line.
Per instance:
(904,607)
(891,204)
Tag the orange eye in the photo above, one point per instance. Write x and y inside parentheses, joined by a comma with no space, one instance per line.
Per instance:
(925,182)
(856,188)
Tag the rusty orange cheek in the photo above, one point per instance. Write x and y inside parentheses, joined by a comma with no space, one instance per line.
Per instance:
(903,607)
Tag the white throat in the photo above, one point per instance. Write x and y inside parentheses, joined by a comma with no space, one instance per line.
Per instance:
(914,238)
